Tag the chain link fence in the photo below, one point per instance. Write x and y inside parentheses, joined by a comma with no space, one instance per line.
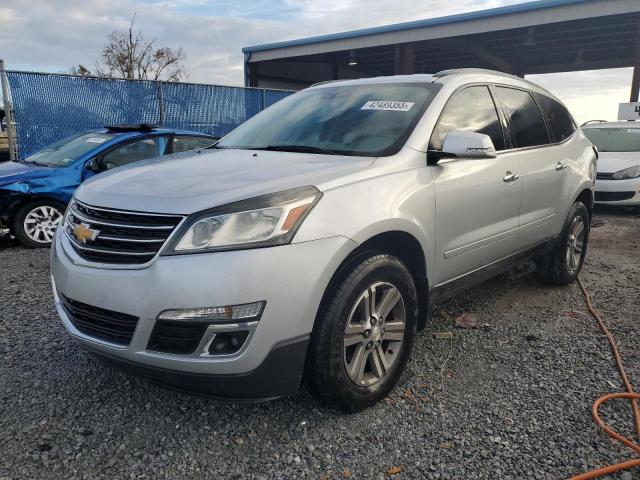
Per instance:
(48,107)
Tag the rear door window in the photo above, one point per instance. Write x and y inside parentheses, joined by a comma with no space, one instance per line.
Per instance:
(558,118)
(471,109)
(526,123)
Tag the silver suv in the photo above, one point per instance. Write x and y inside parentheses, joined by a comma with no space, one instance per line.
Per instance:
(309,243)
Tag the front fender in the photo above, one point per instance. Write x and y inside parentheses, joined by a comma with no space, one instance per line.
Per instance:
(399,202)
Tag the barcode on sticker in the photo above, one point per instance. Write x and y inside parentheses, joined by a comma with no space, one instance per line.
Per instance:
(388,105)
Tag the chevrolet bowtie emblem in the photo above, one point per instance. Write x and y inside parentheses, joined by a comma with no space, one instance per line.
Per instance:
(83,233)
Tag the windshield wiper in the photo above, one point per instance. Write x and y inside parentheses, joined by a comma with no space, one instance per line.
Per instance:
(297,149)
(32,162)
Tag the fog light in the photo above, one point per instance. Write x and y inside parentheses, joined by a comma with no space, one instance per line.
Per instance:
(247,312)
(227,343)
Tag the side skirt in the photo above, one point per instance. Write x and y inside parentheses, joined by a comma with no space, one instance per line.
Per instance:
(468,280)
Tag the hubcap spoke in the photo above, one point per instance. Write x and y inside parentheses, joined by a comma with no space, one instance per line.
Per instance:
(390,299)
(393,336)
(356,368)
(358,328)
(394,326)
(353,339)
(379,363)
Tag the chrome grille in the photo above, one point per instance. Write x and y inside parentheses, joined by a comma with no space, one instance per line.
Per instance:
(119,236)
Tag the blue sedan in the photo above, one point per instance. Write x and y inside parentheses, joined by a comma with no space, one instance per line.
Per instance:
(35,191)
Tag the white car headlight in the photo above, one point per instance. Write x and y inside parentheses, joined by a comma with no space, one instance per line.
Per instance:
(627,173)
(258,222)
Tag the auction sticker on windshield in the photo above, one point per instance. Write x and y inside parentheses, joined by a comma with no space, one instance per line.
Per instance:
(95,140)
(388,105)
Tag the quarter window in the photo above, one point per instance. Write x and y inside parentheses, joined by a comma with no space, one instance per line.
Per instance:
(471,109)
(525,120)
(558,118)
(184,143)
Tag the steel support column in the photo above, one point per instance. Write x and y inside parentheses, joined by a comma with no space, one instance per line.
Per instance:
(635,83)
(405,59)
(12,136)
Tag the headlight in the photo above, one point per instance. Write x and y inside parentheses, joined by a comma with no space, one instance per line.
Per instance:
(627,173)
(258,222)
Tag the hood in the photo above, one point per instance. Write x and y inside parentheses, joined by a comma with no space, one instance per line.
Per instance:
(612,162)
(11,172)
(190,182)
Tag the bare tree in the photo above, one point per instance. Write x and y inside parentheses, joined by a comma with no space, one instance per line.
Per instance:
(129,55)
(80,70)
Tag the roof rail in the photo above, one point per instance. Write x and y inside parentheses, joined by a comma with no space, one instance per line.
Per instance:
(488,71)
(142,127)
(453,71)
(592,121)
(324,82)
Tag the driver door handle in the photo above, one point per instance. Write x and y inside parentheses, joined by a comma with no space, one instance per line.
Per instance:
(561,166)
(510,177)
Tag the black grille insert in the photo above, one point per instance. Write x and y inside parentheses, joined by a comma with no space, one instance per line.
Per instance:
(114,327)
(613,196)
(176,337)
(604,176)
(117,236)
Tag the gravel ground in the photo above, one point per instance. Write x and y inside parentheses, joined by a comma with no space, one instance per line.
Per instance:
(510,400)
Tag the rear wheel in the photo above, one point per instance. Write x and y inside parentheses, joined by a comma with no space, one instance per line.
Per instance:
(564,263)
(35,223)
(364,333)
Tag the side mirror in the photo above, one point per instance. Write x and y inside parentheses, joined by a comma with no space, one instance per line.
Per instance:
(464,144)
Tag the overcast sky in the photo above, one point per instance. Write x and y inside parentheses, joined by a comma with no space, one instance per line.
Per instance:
(53,35)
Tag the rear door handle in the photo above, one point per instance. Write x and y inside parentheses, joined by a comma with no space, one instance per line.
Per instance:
(510,177)
(561,166)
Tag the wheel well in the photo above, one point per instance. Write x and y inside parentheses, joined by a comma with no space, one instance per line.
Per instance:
(408,249)
(586,197)
(18,201)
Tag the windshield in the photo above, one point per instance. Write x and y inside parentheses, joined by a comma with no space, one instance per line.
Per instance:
(614,139)
(368,120)
(63,152)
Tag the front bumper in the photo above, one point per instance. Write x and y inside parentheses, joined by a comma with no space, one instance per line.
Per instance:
(618,192)
(291,278)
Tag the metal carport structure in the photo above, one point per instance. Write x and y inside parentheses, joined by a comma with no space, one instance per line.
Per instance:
(537,37)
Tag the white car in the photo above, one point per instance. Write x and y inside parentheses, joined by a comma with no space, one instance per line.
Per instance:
(618,179)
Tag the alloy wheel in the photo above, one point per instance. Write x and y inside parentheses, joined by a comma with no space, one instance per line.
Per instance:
(374,334)
(40,224)
(575,244)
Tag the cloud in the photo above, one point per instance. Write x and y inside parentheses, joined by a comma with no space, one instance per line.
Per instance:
(53,36)
(48,35)
(592,94)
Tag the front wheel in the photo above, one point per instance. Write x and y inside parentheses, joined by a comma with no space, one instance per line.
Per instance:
(364,333)
(35,223)
(564,263)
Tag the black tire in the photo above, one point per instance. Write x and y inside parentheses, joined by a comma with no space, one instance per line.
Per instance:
(325,374)
(554,267)
(18,228)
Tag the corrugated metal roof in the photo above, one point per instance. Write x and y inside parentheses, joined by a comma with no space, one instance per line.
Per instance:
(463,17)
